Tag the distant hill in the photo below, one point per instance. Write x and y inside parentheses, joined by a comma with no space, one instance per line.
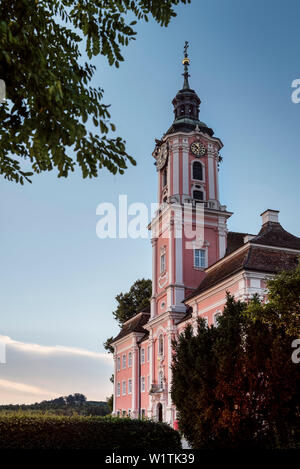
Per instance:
(64,405)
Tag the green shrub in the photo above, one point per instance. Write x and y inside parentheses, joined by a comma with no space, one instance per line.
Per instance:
(33,431)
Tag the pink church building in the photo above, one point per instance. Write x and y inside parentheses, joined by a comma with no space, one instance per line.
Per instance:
(190,277)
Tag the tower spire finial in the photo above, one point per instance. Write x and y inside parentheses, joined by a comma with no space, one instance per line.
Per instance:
(186,63)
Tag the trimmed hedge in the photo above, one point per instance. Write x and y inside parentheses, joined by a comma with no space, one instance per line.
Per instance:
(27,431)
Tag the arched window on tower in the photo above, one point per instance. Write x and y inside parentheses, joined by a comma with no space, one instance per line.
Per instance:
(182,109)
(197,171)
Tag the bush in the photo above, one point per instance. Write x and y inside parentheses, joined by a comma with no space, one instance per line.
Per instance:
(25,431)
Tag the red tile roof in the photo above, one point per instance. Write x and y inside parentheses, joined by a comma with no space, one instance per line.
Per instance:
(255,257)
(135,324)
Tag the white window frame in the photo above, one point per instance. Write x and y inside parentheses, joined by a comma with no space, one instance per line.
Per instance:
(148,383)
(130,360)
(124,361)
(215,316)
(143,384)
(118,363)
(204,251)
(142,355)
(163,262)
(161,350)
(129,386)
(118,389)
(198,187)
(123,388)
(161,380)
(148,353)
(203,171)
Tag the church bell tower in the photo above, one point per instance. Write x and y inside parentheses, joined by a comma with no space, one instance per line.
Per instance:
(187,162)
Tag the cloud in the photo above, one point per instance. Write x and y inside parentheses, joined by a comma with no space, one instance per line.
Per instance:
(24,388)
(52,350)
(35,372)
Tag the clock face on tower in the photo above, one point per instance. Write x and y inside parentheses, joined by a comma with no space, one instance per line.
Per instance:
(198,149)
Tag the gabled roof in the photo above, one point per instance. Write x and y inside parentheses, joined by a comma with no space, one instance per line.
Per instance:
(134,324)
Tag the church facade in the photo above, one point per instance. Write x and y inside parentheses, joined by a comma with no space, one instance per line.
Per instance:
(195,261)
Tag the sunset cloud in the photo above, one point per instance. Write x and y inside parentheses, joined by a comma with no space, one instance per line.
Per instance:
(23,388)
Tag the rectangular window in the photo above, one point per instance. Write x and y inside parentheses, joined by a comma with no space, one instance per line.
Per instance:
(130,359)
(162,263)
(124,362)
(118,389)
(123,388)
(148,383)
(118,413)
(199,258)
(129,413)
(123,413)
(129,386)
(216,317)
(142,355)
(148,353)
(143,414)
(142,383)
(118,364)
(161,380)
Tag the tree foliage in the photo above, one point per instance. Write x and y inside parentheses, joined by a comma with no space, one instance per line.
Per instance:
(49,96)
(134,301)
(64,405)
(131,303)
(283,304)
(235,385)
(110,402)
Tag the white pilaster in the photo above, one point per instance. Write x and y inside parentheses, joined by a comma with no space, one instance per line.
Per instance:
(176,171)
(154,277)
(211,176)
(135,384)
(185,170)
(115,380)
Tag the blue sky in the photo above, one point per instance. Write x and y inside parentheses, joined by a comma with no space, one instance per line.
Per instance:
(58,280)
